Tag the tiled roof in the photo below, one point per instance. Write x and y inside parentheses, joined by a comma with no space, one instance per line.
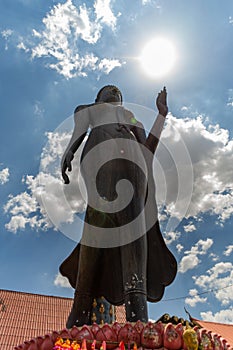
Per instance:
(225,330)
(24,316)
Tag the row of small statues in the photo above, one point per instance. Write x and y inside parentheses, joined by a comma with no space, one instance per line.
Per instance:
(103,312)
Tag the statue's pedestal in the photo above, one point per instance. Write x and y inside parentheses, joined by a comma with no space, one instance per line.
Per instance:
(128,336)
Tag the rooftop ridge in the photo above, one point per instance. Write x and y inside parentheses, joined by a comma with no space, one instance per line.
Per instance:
(38,294)
(212,322)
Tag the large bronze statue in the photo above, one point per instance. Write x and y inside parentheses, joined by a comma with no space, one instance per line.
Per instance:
(134,266)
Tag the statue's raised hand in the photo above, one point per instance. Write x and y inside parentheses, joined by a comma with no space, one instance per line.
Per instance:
(66,164)
(161,102)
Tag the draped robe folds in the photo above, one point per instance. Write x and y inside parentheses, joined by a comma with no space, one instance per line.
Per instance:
(144,263)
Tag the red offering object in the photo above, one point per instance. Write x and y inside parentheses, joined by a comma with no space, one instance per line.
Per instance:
(128,334)
(172,338)
(47,343)
(116,327)
(152,336)
(95,328)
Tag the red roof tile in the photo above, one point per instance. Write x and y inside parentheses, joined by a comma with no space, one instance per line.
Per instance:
(225,330)
(24,316)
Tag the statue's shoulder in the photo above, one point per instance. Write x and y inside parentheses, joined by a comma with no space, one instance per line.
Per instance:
(128,114)
(81,107)
(130,118)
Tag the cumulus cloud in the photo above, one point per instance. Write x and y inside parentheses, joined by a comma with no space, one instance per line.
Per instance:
(104,13)
(211,159)
(190,260)
(23,209)
(61,281)
(65,28)
(4,176)
(45,190)
(194,298)
(228,250)
(218,279)
(170,237)
(47,202)
(6,34)
(189,228)
(222,316)
(214,257)
(179,248)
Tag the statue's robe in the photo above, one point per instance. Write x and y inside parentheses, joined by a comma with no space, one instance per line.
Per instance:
(113,258)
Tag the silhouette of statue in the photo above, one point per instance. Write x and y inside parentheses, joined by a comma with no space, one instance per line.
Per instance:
(138,266)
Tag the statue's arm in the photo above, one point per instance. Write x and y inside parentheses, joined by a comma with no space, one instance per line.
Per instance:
(155,133)
(151,142)
(81,120)
(156,130)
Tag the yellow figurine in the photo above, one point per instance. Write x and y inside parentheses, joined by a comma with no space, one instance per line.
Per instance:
(190,339)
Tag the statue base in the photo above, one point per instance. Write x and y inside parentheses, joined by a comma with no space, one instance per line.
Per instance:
(136,336)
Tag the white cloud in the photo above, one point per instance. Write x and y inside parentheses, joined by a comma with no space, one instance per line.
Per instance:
(153,2)
(170,237)
(202,246)
(190,260)
(189,228)
(211,161)
(194,298)
(222,316)
(179,248)
(61,281)
(218,279)
(4,176)
(228,250)
(214,257)
(6,34)
(106,65)
(66,27)
(23,209)
(104,13)
(47,203)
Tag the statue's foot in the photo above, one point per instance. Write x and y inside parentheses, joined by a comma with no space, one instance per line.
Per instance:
(72,318)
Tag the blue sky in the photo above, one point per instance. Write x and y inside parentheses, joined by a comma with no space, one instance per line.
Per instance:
(58,54)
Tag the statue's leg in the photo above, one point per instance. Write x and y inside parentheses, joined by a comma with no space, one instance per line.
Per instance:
(136,307)
(81,310)
(84,292)
(134,259)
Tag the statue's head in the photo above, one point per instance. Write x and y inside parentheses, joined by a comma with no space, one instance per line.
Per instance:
(108,94)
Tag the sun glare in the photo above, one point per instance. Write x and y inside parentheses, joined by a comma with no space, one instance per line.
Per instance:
(158,57)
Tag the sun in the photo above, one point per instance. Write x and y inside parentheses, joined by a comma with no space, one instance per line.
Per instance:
(158,57)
